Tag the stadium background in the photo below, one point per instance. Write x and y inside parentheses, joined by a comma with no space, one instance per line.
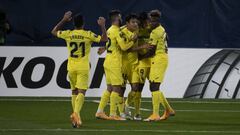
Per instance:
(197,30)
(189,23)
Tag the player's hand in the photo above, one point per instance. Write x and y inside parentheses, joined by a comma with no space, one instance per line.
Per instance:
(147,46)
(101,21)
(134,38)
(67,16)
(101,50)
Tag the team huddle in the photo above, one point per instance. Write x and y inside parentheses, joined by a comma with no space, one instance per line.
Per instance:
(135,52)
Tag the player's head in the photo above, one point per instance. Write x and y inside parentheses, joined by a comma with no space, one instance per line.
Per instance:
(132,22)
(78,21)
(115,17)
(144,19)
(155,18)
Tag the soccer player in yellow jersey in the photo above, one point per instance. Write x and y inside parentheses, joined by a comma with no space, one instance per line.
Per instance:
(130,60)
(79,44)
(113,67)
(144,64)
(159,63)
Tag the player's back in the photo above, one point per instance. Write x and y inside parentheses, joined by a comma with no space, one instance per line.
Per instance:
(79,46)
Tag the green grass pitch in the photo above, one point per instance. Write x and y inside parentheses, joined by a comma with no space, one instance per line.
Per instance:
(50,116)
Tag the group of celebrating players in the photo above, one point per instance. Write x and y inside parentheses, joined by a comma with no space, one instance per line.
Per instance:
(135,52)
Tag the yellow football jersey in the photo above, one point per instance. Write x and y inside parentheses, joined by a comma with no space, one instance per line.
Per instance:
(158,37)
(115,46)
(143,38)
(129,57)
(79,46)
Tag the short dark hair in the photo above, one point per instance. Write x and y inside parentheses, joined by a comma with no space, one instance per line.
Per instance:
(78,20)
(143,16)
(113,13)
(155,13)
(131,16)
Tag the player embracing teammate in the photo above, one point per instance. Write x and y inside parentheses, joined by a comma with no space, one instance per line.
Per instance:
(143,57)
(135,52)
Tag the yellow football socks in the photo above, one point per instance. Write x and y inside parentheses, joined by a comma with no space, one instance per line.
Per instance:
(137,102)
(114,101)
(79,103)
(104,100)
(121,106)
(156,102)
(164,101)
(73,101)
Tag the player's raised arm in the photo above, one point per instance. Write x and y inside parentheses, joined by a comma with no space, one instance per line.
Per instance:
(66,18)
(101,22)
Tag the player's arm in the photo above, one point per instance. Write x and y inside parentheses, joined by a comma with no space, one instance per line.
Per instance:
(151,51)
(66,18)
(138,48)
(123,44)
(101,22)
(152,45)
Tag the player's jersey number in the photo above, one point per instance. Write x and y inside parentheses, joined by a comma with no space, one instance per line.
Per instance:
(75,46)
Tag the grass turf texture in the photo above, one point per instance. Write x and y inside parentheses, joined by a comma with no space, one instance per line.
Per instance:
(50,116)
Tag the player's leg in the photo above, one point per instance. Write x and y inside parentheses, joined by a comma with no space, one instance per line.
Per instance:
(115,97)
(133,79)
(72,75)
(154,88)
(115,100)
(157,73)
(100,114)
(121,103)
(161,69)
(143,73)
(81,85)
(73,79)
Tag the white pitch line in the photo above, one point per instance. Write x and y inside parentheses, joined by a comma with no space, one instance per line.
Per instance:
(143,109)
(149,110)
(113,130)
(143,101)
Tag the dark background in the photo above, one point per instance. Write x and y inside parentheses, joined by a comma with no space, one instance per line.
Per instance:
(189,23)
